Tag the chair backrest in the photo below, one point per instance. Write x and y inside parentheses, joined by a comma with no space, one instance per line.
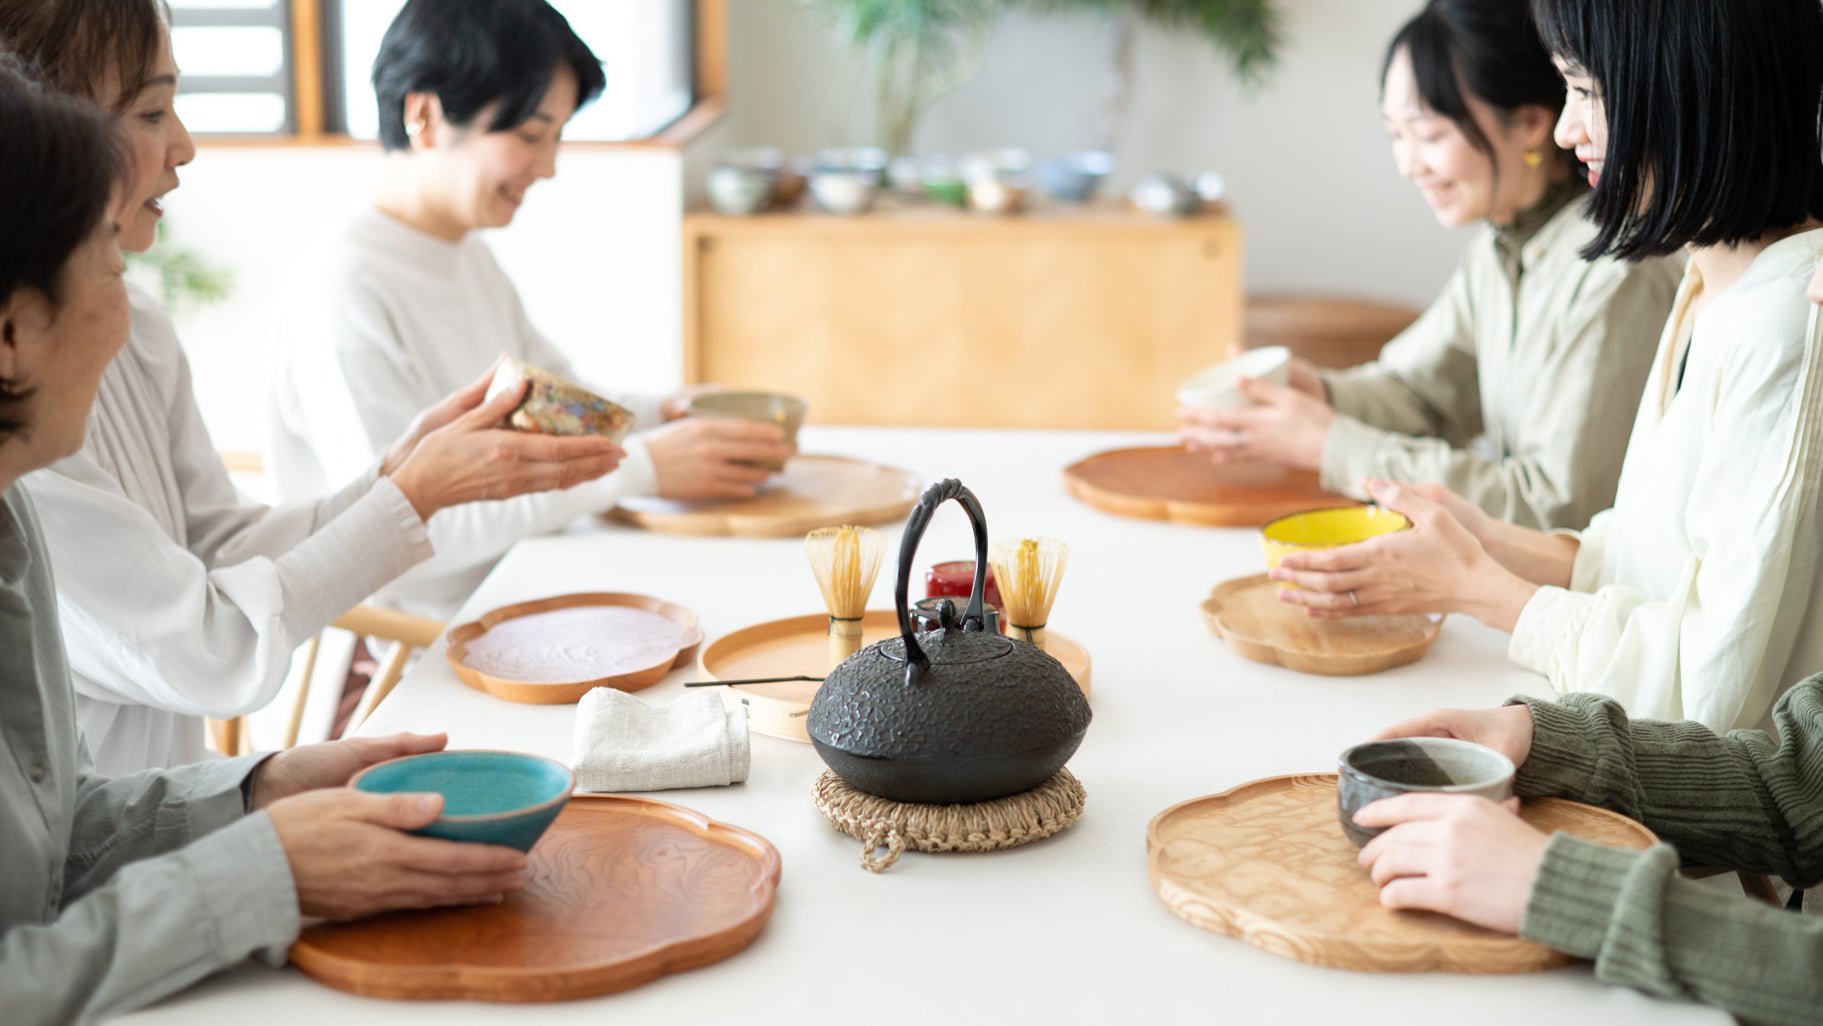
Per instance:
(1329,331)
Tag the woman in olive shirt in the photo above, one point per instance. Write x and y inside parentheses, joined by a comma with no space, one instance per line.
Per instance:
(1532,349)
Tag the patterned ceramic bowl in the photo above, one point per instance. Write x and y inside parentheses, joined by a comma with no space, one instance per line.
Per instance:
(553,406)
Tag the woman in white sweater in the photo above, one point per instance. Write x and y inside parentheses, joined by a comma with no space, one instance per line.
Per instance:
(180,599)
(1697,596)
(407,298)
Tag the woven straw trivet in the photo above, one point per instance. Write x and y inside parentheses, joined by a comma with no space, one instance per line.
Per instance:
(1006,822)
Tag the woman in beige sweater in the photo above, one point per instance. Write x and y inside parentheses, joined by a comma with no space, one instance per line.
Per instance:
(1532,353)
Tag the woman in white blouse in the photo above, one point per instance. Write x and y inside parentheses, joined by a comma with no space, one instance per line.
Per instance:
(407,298)
(179,598)
(1698,595)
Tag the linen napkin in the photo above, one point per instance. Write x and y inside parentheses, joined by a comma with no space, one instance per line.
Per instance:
(623,744)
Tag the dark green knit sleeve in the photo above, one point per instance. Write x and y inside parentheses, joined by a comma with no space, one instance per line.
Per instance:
(1649,928)
(1744,801)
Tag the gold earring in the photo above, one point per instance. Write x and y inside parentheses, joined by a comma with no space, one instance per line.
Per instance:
(1534,158)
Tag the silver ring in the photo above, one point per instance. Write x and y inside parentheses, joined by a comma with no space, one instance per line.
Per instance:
(1352,597)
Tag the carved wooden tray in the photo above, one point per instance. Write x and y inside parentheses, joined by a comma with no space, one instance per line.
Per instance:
(1248,613)
(799,645)
(621,891)
(1173,483)
(533,673)
(1268,863)
(811,492)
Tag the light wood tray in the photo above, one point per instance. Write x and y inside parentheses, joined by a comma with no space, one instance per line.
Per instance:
(1267,862)
(547,693)
(1248,613)
(800,645)
(1173,483)
(811,492)
(621,891)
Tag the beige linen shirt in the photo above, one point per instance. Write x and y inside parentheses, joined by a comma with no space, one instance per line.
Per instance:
(1531,348)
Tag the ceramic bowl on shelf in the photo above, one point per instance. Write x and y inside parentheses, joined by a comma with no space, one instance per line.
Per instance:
(1218,387)
(1327,529)
(1369,772)
(997,194)
(1165,196)
(489,797)
(1074,178)
(844,192)
(1001,163)
(737,190)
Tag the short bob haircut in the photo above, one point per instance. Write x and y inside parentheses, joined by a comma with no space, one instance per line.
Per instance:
(472,53)
(1712,111)
(74,45)
(1488,49)
(55,185)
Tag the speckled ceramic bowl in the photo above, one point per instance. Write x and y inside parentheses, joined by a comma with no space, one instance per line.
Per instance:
(1381,769)
(489,797)
(787,411)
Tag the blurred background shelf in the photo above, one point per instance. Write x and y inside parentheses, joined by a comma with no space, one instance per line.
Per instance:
(1058,317)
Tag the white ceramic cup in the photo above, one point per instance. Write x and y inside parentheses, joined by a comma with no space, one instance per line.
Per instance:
(1219,387)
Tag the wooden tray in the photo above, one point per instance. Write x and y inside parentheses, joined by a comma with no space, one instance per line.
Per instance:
(1268,863)
(620,892)
(549,693)
(800,645)
(1248,614)
(811,492)
(1173,483)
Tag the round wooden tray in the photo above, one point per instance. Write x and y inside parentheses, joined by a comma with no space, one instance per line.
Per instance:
(1248,613)
(550,693)
(811,492)
(1173,483)
(621,891)
(799,645)
(1268,863)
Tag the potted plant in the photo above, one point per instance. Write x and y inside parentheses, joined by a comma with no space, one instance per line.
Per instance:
(921,49)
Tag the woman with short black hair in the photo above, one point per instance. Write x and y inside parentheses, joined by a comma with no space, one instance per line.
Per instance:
(1517,388)
(406,298)
(1696,596)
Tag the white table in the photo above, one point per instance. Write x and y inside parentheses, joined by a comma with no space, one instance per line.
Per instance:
(1066,930)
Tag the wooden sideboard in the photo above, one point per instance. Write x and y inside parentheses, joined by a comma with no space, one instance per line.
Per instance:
(922,315)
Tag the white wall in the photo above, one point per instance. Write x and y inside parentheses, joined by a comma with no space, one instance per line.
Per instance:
(1306,160)
(596,250)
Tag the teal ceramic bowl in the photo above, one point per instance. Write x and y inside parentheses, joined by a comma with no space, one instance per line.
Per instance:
(489,797)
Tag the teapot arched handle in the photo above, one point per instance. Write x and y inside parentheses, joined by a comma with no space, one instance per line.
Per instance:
(916,662)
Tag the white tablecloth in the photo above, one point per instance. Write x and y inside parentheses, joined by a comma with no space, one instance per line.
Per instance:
(1066,930)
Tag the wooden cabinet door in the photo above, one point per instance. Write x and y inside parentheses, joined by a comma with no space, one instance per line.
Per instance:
(1072,320)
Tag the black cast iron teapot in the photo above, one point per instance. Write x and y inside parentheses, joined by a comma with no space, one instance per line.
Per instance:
(953,714)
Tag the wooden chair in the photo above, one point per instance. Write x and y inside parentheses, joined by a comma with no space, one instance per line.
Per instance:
(405,633)
(1329,331)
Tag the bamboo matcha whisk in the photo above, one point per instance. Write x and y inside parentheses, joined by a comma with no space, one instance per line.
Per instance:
(1028,571)
(846,560)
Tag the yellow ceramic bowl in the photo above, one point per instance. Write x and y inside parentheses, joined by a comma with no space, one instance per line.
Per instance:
(1326,529)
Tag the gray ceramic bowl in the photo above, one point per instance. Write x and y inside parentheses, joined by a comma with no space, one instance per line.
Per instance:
(1381,769)
(737,190)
